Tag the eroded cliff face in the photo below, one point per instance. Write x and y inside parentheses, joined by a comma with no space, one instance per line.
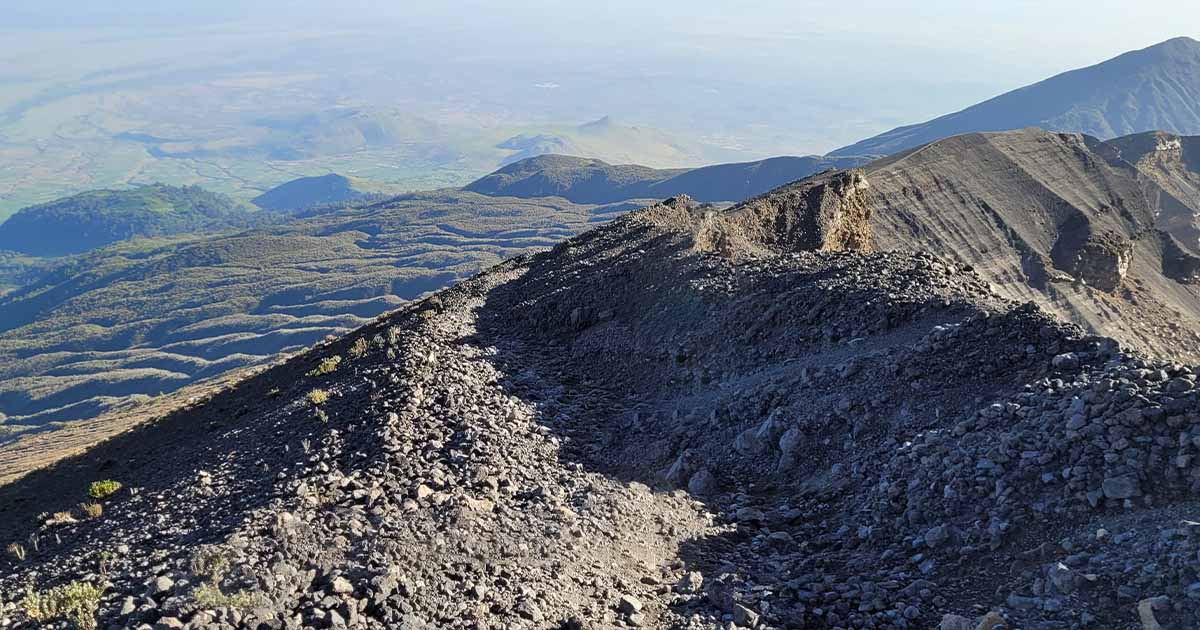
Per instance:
(1098,260)
(1172,163)
(1061,220)
(829,212)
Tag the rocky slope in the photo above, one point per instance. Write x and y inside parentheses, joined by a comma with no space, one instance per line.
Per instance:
(1156,88)
(1059,219)
(1172,162)
(682,419)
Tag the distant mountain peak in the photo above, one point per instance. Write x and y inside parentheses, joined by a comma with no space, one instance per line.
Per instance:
(600,124)
(1155,88)
(306,192)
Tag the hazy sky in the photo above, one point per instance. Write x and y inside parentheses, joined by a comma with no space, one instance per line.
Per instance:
(834,70)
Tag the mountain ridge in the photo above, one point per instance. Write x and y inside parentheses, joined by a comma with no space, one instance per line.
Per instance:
(586,180)
(1155,88)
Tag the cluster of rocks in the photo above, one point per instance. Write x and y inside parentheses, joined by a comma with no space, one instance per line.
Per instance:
(629,431)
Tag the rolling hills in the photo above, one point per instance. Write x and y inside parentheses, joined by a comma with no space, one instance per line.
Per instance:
(1154,89)
(97,218)
(144,317)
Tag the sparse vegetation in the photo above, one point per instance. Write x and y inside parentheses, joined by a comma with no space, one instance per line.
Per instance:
(103,561)
(103,489)
(61,518)
(209,595)
(393,335)
(75,602)
(359,349)
(209,562)
(137,400)
(91,510)
(328,365)
(321,415)
(211,565)
(16,551)
(318,397)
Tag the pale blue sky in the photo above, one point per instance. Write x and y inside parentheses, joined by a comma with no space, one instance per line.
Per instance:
(814,73)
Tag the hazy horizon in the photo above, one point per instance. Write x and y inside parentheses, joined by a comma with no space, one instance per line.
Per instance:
(689,83)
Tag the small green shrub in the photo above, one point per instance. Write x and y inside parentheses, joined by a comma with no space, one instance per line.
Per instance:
(91,510)
(210,563)
(15,551)
(318,397)
(209,596)
(359,349)
(393,335)
(103,489)
(75,602)
(104,560)
(328,365)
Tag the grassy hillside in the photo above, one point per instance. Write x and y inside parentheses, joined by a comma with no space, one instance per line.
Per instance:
(97,218)
(142,318)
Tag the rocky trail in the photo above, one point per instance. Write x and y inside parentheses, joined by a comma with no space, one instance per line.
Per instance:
(671,421)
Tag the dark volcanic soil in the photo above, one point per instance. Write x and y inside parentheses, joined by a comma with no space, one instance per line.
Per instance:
(673,421)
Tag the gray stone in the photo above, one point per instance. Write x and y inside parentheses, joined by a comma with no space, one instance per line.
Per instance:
(341,586)
(956,622)
(790,441)
(702,483)
(691,582)
(162,584)
(937,535)
(1120,487)
(530,611)
(744,617)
